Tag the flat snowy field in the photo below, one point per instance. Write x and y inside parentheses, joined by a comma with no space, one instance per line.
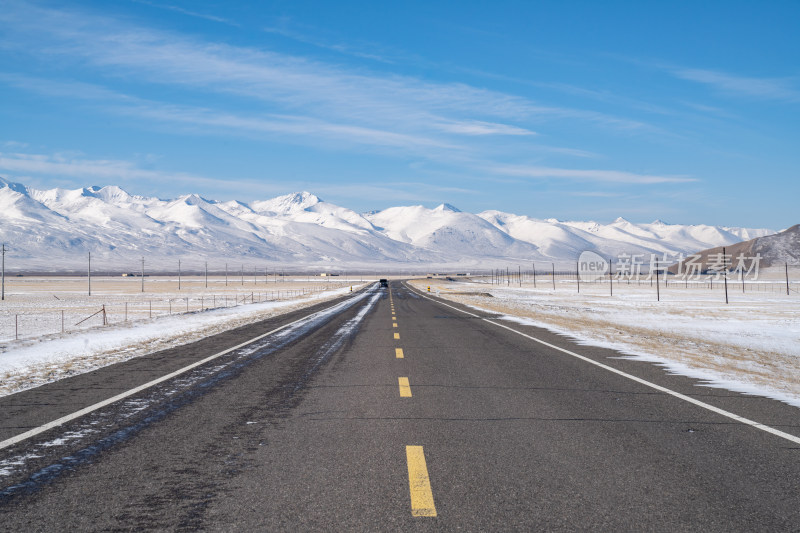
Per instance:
(39,359)
(38,306)
(751,345)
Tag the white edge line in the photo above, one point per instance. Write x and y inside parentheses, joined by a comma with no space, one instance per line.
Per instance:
(671,392)
(86,410)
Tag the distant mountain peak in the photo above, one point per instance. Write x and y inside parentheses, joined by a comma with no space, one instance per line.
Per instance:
(193,199)
(16,187)
(288,203)
(304,198)
(447,207)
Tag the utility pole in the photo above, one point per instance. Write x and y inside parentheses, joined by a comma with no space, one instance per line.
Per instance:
(785,266)
(554,275)
(533,265)
(90,273)
(519,274)
(578,276)
(724,272)
(142,273)
(658,290)
(4,273)
(611,276)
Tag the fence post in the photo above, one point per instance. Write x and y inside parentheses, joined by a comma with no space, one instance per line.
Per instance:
(786,267)
(658,291)
(3,297)
(725,272)
(611,276)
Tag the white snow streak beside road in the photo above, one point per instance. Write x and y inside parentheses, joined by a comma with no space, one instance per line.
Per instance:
(751,345)
(31,365)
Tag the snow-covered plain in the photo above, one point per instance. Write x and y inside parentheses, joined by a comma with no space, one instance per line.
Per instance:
(37,306)
(33,362)
(751,345)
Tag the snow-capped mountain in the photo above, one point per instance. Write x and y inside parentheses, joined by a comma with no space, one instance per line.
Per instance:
(568,239)
(774,251)
(54,229)
(446,230)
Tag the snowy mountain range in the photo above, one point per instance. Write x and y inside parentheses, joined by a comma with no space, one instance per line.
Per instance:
(774,251)
(55,229)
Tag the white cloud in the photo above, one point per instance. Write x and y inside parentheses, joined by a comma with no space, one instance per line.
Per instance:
(385,101)
(609,176)
(69,165)
(476,127)
(183,11)
(765,88)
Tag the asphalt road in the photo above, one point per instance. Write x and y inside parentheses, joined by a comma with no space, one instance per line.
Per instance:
(323,426)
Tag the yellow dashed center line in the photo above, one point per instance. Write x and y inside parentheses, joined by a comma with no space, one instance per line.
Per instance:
(405,388)
(398,353)
(419,483)
(396,336)
(394,324)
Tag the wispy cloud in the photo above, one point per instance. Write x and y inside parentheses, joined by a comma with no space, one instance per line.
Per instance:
(285,31)
(763,88)
(607,176)
(396,191)
(69,165)
(292,125)
(286,97)
(476,127)
(594,194)
(14,145)
(183,11)
(77,170)
(385,101)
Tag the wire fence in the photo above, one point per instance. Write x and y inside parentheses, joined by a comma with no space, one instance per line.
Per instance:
(24,317)
(777,281)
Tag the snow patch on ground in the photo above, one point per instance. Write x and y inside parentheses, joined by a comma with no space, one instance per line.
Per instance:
(751,346)
(50,359)
(708,378)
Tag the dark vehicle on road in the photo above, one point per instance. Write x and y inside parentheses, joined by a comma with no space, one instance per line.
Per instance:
(384,282)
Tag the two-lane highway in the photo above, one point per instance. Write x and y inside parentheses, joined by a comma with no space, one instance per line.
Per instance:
(396,411)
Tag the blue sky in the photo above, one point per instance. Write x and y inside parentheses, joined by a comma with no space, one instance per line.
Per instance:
(680,111)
